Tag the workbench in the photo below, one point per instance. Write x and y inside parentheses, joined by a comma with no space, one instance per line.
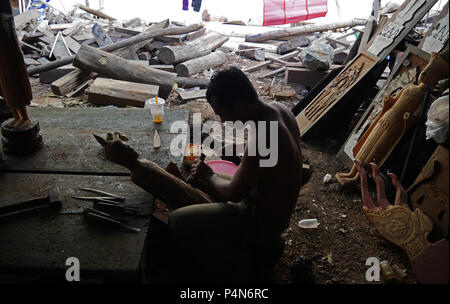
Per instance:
(40,242)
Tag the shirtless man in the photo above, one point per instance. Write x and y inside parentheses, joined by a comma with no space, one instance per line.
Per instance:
(224,236)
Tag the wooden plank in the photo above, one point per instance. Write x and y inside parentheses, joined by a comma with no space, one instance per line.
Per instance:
(21,20)
(273,73)
(100,36)
(368,31)
(267,62)
(120,93)
(69,82)
(335,91)
(39,243)
(126,31)
(304,77)
(69,146)
(73,29)
(51,76)
(172,38)
(32,47)
(163,67)
(95,12)
(191,94)
(83,37)
(195,35)
(72,44)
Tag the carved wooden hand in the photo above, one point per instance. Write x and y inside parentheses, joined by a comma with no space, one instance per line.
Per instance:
(397,223)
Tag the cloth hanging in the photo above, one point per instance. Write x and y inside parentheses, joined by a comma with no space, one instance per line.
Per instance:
(278,12)
(196,4)
(185,5)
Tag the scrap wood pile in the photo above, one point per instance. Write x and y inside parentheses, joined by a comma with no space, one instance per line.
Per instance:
(79,49)
(74,52)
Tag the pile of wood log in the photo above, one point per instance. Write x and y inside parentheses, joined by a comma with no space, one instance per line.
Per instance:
(79,50)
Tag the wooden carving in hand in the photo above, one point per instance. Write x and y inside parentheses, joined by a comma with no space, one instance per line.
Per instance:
(149,176)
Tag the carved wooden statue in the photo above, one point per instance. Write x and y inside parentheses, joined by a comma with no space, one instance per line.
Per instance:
(14,83)
(397,116)
(164,185)
(405,228)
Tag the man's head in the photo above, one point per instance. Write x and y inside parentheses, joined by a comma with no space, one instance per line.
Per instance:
(229,93)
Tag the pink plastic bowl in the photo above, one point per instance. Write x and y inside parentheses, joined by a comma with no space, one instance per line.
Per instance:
(222,166)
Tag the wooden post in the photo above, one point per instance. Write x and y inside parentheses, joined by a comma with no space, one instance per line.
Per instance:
(95,12)
(300,30)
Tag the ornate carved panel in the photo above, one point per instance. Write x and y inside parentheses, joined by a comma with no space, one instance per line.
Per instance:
(437,36)
(335,90)
(398,26)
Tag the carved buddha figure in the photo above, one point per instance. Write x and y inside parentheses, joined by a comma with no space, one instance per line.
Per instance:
(397,116)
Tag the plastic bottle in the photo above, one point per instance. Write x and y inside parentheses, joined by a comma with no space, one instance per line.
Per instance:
(156,140)
(308,223)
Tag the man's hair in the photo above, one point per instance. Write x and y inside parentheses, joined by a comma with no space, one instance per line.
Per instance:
(230,86)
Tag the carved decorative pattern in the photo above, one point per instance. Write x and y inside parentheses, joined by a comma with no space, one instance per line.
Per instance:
(393,29)
(438,37)
(335,90)
(399,225)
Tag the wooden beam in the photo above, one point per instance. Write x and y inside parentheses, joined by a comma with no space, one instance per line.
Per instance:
(95,12)
(300,30)
(304,77)
(273,73)
(186,95)
(120,93)
(267,62)
(69,82)
(195,35)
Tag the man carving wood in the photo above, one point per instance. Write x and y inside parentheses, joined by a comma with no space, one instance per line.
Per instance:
(227,238)
(14,83)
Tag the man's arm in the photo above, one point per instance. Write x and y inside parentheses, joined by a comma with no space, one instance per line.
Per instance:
(245,178)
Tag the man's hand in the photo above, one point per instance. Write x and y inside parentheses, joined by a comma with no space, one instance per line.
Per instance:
(201,171)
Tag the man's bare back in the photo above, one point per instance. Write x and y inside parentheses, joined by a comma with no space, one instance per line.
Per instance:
(276,192)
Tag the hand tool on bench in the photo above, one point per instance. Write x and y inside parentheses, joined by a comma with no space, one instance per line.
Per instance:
(52,200)
(85,211)
(116,207)
(109,220)
(103,195)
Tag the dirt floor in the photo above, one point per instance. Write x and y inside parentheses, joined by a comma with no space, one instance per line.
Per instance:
(344,239)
